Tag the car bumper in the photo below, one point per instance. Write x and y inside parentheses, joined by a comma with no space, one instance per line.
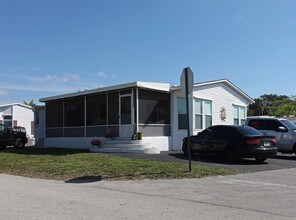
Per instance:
(260,152)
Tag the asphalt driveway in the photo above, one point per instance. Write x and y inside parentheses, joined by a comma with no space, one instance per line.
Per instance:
(281,161)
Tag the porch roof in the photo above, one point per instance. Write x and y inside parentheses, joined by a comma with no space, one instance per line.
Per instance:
(146,85)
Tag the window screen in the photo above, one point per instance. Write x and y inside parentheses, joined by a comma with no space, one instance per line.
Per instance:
(113,108)
(154,107)
(74,112)
(54,114)
(96,110)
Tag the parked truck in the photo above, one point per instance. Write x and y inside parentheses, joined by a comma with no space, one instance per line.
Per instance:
(15,137)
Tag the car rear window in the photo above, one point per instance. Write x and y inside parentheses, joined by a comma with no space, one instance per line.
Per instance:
(265,124)
(248,131)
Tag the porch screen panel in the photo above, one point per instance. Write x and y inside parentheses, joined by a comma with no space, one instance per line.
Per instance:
(96,110)
(113,108)
(74,112)
(154,107)
(54,114)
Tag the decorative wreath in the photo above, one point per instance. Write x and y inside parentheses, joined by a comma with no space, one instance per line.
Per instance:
(223,113)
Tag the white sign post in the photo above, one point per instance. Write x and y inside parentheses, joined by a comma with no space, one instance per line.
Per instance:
(187,82)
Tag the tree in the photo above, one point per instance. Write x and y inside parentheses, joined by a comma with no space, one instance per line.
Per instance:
(31,103)
(286,110)
(271,104)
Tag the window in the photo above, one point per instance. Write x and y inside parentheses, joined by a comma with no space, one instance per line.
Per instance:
(7,120)
(96,110)
(239,115)
(242,113)
(203,113)
(74,112)
(198,114)
(113,108)
(154,107)
(182,114)
(54,114)
(208,113)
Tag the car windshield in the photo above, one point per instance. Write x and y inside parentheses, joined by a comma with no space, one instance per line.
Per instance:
(289,124)
(248,131)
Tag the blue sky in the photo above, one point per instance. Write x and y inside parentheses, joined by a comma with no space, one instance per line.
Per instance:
(51,47)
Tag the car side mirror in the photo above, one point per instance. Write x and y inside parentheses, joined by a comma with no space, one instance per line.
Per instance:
(282,129)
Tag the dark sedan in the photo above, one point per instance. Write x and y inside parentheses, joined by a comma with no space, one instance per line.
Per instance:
(233,141)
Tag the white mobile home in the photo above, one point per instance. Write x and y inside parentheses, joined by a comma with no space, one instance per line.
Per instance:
(17,114)
(154,109)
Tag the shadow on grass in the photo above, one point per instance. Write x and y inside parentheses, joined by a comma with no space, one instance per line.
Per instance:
(43,151)
(84,179)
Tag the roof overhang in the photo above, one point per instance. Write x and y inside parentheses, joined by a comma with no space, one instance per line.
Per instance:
(164,87)
(14,104)
(225,81)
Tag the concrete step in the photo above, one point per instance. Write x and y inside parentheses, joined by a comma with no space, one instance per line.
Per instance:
(124,150)
(124,145)
(122,141)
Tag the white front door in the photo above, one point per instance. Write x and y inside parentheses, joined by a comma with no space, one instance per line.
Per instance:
(125,116)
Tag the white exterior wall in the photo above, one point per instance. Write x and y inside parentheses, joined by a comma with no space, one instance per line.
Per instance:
(160,143)
(5,111)
(24,117)
(220,94)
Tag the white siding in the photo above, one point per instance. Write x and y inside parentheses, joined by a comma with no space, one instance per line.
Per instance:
(24,116)
(220,94)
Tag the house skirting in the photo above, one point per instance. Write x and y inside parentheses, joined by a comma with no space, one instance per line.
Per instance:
(160,143)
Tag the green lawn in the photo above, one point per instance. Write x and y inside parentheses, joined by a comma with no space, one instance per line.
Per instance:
(63,164)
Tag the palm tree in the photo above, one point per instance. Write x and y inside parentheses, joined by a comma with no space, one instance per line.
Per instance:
(31,103)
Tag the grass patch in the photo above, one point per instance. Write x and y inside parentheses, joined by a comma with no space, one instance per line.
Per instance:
(64,164)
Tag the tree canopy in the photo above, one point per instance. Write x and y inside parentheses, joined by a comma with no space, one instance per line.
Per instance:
(31,103)
(275,105)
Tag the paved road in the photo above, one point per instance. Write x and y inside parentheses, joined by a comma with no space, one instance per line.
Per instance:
(261,195)
(282,161)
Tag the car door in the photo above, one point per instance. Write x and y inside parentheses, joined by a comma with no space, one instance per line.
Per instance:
(217,139)
(201,140)
(6,136)
(272,129)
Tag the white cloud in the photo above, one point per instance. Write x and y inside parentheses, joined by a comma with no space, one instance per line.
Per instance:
(3,92)
(102,74)
(45,81)
(69,77)
(238,18)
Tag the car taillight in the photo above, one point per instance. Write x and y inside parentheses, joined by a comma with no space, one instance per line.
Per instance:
(274,141)
(253,141)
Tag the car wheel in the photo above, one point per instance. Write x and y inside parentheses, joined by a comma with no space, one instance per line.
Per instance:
(2,147)
(231,154)
(260,159)
(185,148)
(19,144)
